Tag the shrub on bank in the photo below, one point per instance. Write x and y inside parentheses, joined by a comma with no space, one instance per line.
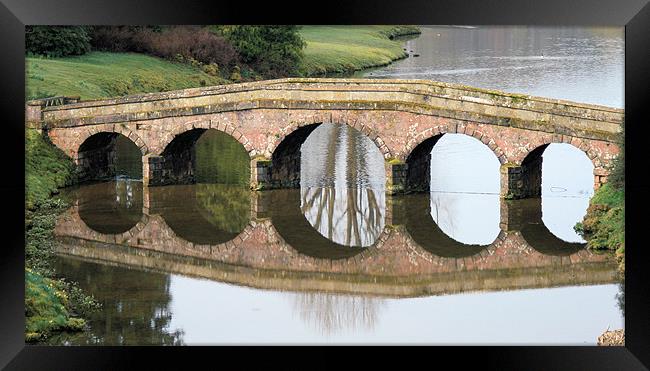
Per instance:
(604,224)
(272,51)
(57,41)
(177,43)
(396,31)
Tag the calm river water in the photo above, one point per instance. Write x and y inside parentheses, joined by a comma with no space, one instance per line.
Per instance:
(338,261)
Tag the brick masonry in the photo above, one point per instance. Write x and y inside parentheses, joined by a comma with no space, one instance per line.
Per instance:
(396,262)
(397,115)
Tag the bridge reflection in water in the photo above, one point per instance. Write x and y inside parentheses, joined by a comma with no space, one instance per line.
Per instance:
(319,240)
(339,253)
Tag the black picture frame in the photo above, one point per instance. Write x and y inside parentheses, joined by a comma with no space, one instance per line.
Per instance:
(633,14)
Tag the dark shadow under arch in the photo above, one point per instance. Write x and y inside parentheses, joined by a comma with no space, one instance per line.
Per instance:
(107,154)
(531,172)
(179,165)
(418,176)
(285,170)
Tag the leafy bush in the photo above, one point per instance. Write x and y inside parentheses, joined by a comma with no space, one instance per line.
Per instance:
(617,176)
(45,307)
(57,41)
(273,51)
(178,43)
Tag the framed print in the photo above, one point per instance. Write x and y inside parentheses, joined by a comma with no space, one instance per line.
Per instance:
(204,175)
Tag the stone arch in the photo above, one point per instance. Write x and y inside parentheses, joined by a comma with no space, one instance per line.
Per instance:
(355,257)
(177,150)
(440,130)
(425,232)
(94,151)
(418,153)
(127,208)
(86,133)
(578,143)
(222,126)
(530,162)
(87,232)
(284,152)
(300,236)
(367,130)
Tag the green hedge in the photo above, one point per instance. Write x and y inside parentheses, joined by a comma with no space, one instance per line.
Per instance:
(57,41)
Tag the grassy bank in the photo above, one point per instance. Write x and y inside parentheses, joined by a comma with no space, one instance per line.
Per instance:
(604,225)
(51,304)
(101,75)
(339,49)
(329,50)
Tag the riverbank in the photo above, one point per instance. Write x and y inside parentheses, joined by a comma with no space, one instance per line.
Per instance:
(612,338)
(96,75)
(102,75)
(51,304)
(345,49)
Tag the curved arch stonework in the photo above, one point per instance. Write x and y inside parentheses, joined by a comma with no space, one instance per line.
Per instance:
(396,115)
(223,126)
(470,129)
(335,117)
(600,153)
(69,143)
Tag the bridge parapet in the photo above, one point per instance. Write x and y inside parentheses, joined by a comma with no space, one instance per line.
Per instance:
(416,96)
(271,119)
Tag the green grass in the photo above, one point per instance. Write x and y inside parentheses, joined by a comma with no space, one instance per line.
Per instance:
(47,168)
(340,49)
(45,307)
(604,225)
(96,75)
(101,75)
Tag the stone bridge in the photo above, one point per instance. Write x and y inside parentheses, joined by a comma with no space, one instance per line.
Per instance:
(271,119)
(411,257)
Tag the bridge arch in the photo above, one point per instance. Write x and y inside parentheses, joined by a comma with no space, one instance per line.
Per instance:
(285,152)
(224,127)
(530,163)
(96,155)
(178,149)
(418,153)
(339,119)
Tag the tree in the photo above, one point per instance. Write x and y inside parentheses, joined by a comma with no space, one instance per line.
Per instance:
(273,51)
(57,41)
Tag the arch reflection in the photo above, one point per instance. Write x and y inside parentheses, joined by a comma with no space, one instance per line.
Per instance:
(345,216)
(286,210)
(536,233)
(425,232)
(469,218)
(206,214)
(110,207)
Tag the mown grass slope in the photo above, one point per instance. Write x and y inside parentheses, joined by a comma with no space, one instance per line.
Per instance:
(339,49)
(101,75)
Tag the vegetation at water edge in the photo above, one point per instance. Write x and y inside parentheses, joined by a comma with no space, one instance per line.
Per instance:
(51,304)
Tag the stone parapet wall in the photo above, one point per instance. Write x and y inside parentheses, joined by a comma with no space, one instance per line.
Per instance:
(397,115)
